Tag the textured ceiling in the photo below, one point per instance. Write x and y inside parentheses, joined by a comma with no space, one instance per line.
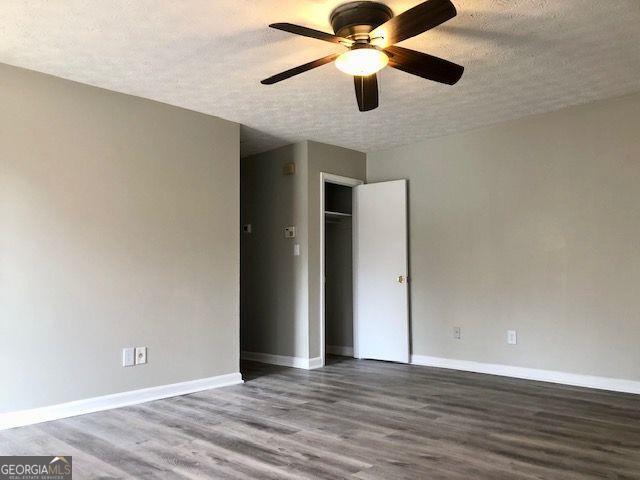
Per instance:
(521,57)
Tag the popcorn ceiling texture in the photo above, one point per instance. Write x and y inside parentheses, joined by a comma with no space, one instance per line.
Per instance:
(521,57)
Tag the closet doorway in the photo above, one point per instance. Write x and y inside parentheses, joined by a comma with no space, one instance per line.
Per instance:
(337,268)
(364,294)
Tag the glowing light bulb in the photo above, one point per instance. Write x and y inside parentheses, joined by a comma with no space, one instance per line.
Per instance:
(362,61)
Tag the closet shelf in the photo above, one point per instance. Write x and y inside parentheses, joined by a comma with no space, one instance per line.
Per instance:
(329,214)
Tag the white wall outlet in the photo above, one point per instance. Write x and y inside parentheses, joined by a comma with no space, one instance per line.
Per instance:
(296,249)
(247,228)
(456,333)
(141,355)
(290,232)
(512,337)
(128,357)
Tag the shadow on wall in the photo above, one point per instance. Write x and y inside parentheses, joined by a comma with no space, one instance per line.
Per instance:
(273,280)
(339,283)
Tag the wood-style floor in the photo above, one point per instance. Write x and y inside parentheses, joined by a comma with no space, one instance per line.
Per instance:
(357,420)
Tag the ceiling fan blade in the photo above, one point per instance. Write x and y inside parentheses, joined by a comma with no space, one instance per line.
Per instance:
(414,21)
(310,32)
(425,66)
(367,92)
(301,69)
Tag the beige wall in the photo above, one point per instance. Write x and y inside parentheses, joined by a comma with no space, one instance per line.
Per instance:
(274,281)
(532,225)
(118,227)
(324,158)
(281,293)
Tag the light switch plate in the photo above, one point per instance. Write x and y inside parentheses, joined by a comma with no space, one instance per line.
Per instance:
(141,355)
(296,249)
(128,357)
(512,337)
(456,333)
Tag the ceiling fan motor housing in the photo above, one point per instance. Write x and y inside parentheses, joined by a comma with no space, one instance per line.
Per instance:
(354,20)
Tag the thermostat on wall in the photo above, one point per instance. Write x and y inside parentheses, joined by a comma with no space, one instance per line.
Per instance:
(290,232)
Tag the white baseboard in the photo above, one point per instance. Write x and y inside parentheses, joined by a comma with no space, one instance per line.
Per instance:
(115,400)
(574,379)
(315,363)
(284,360)
(339,350)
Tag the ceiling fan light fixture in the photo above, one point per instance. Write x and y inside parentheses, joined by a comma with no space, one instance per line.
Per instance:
(362,62)
(370,32)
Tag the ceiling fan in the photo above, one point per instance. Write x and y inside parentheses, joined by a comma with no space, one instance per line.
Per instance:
(370,31)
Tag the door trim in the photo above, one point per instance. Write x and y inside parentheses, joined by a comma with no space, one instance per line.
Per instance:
(350,182)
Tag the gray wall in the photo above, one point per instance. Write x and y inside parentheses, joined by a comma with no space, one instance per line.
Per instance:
(274,281)
(118,227)
(280,292)
(339,283)
(338,161)
(531,225)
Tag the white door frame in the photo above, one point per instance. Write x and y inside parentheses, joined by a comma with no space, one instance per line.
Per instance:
(350,182)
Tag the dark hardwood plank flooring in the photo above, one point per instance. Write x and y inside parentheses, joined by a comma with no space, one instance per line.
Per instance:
(354,420)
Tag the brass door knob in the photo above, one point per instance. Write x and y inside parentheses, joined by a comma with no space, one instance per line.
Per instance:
(400,279)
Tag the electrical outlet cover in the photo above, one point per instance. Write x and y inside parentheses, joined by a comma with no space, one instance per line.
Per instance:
(141,355)
(512,337)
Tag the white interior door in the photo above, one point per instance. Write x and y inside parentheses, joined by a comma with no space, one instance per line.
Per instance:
(381,291)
